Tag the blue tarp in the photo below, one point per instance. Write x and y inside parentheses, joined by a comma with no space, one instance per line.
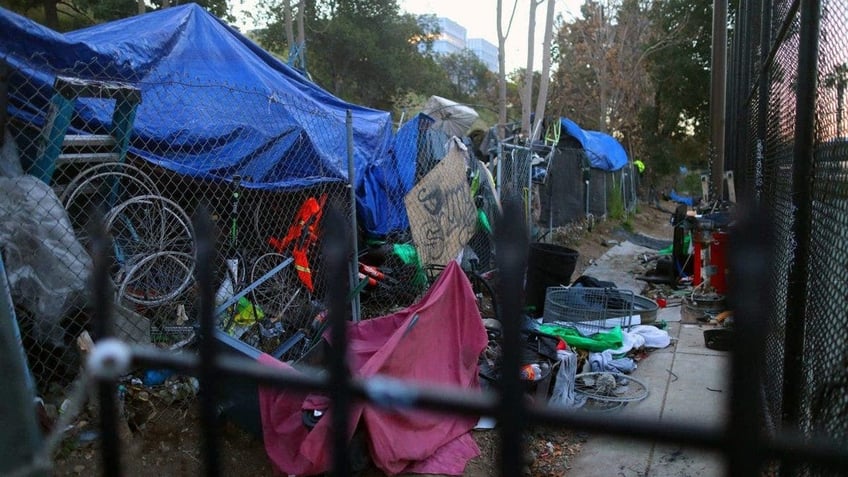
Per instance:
(386,180)
(603,151)
(214,103)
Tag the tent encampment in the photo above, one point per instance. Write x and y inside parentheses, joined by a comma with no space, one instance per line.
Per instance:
(602,150)
(214,103)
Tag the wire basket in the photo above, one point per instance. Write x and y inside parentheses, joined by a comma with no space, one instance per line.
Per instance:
(589,310)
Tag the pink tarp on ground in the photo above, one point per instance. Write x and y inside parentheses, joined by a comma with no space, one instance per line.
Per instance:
(440,347)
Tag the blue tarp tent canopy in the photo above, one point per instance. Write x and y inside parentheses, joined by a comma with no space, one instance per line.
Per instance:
(603,151)
(417,147)
(214,104)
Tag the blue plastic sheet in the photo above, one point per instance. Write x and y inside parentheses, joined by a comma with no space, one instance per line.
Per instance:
(604,151)
(214,103)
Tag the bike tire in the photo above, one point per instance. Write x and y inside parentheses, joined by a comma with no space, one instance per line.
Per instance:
(625,389)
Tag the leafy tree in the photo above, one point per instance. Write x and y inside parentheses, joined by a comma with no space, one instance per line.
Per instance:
(639,70)
(71,14)
(470,78)
(676,123)
(516,90)
(364,51)
(838,79)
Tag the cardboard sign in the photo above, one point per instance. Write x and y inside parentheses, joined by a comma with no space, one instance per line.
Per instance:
(441,214)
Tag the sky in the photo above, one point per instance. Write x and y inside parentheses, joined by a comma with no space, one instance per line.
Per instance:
(479,18)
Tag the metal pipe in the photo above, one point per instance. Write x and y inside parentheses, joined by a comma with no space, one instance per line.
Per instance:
(351,178)
(718,93)
(208,372)
(335,252)
(103,328)
(511,244)
(762,101)
(802,200)
(391,393)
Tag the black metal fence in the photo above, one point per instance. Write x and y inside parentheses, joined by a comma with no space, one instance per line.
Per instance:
(789,394)
(787,134)
(740,439)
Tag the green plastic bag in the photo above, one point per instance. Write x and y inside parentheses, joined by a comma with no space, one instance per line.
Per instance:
(597,342)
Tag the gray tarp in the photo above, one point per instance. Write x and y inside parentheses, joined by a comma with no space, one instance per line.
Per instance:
(451,117)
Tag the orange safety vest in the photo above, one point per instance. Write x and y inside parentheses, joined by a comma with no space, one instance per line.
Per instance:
(302,233)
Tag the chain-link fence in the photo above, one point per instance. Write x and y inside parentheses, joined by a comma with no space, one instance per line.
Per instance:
(786,104)
(560,187)
(146,157)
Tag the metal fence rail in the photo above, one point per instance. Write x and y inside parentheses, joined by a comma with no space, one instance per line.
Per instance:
(746,449)
(789,144)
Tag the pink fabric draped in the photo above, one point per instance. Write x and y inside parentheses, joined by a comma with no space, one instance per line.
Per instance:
(435,341)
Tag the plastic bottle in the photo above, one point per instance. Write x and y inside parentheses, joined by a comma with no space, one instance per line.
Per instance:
(531,372)
(155,377)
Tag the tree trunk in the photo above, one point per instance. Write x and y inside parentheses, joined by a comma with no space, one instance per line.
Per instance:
(51,14)
(287,23)
(166,3)
(501,74)
(527,96)
(141,7)
(542,100)
(301,32)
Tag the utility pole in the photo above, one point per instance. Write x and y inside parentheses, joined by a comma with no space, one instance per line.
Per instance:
(718,93)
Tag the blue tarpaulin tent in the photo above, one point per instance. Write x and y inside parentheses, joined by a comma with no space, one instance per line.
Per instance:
(416,148)
(214,104)
(602,150)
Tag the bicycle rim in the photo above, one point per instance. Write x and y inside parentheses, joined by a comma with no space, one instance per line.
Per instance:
(610,387)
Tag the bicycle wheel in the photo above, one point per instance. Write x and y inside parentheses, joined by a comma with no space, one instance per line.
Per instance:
(282,295)
(148,224)
(86,181)
(156,279)
(104,185)
(610,387)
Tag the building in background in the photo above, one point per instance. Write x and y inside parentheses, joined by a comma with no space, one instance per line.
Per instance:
(453,40)
(487,52)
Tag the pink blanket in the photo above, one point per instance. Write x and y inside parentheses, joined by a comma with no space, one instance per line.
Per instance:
(441,346)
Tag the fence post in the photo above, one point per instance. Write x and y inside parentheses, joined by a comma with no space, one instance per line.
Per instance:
(718,87)
(103,327)
(208,344)
(763,100)
(512,246)
(751,255)
(336,252)
(351,178)
(19,437)
(802,182)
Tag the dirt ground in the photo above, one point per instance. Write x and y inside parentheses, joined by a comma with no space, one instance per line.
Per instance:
(169,443)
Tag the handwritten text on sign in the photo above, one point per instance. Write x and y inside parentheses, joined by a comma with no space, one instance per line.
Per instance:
(441,213)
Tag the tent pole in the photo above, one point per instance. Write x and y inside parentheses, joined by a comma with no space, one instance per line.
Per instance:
(354,265)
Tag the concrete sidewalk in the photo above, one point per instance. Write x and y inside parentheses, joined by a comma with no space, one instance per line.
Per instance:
(687,382)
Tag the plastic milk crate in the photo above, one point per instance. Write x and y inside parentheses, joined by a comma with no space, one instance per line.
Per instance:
(590,310)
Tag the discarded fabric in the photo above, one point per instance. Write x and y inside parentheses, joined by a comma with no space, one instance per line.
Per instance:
(400,441)
(612,339)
